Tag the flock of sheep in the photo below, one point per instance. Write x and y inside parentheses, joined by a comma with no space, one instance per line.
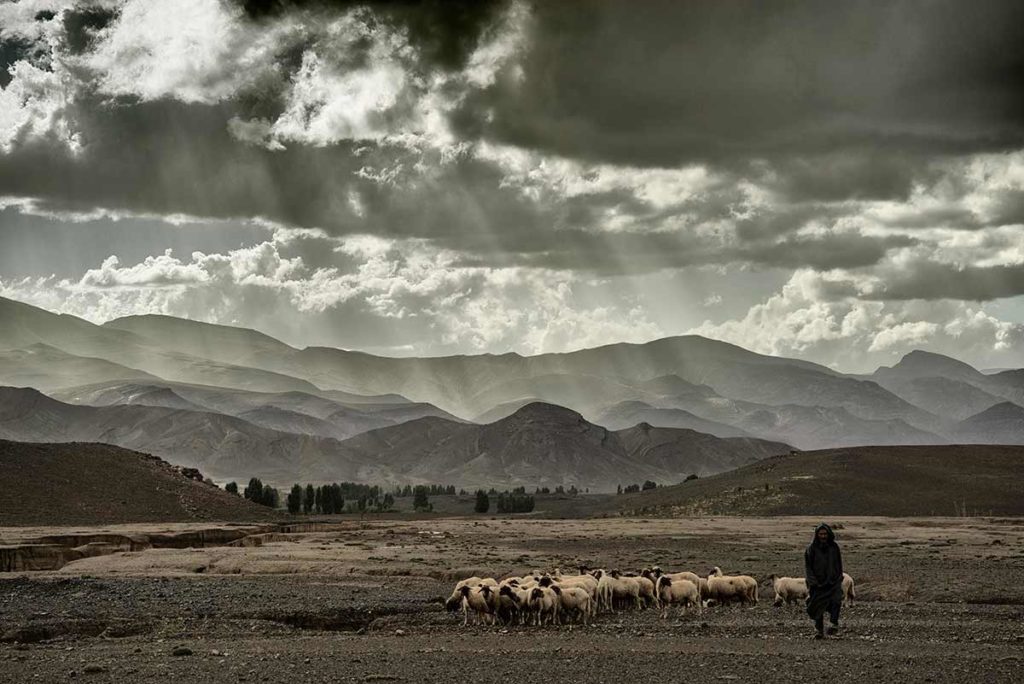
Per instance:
(553,598)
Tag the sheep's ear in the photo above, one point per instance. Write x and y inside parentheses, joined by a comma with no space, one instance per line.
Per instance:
(557,589)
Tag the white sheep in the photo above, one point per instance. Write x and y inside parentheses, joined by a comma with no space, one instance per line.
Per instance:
(849,594)
(788,590)
(680,592)
(648,593)
(575,603)
(731,588)
(586,582)
(749,582)
(614,589)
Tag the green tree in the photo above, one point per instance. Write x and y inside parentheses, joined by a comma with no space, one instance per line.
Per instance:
(231,488)
(309,499)
(271,497)
(420,500)
(295,499)
(483,502)
(254,490)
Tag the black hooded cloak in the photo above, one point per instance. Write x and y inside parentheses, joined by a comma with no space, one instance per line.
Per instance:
(823,564)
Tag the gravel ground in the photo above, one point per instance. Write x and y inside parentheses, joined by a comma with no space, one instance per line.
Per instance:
(347,622)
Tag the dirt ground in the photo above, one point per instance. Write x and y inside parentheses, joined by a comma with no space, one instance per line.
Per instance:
(939,600)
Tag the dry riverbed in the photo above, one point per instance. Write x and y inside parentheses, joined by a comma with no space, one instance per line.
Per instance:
(940,599)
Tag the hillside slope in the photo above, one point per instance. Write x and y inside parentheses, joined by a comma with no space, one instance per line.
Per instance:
(99,484)
(221,446)
(895,481)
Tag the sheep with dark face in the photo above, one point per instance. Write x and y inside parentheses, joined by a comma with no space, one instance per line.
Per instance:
(513,604)
(482,601)
(454,601)
(544,605)
(702,584)
(678,592)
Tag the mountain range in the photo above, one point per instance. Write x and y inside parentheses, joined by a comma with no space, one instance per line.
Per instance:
(538,445)
(236,402)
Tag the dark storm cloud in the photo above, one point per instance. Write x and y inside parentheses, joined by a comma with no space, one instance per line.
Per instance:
(166,157)
(16,48)
(933,280)
(847,175)
(665,83)
(444,31)
(777,221)
(815,107)
(825,252)
(81,25)
(1004,207)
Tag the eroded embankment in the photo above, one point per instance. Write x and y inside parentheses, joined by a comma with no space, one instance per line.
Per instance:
(52,552)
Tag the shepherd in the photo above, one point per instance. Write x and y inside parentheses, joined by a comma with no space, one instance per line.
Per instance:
(823,564)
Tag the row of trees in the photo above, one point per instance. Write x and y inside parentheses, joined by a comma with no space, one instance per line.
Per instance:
(338,497)
(633,488)
(353,497)
(431,490)
(330,499)
(515,501)
(560,490)
(647,485)
(257,492)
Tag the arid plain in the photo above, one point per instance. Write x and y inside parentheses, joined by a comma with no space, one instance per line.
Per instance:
(938,599)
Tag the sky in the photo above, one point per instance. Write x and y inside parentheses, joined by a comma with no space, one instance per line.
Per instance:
(840,182)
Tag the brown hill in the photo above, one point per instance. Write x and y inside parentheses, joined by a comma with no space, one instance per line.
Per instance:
(896,480)
(98,484)
(688,451)
(545,445)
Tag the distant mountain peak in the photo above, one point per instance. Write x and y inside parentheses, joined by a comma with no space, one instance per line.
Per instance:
(920,364)
(539,410)
(1000,411)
